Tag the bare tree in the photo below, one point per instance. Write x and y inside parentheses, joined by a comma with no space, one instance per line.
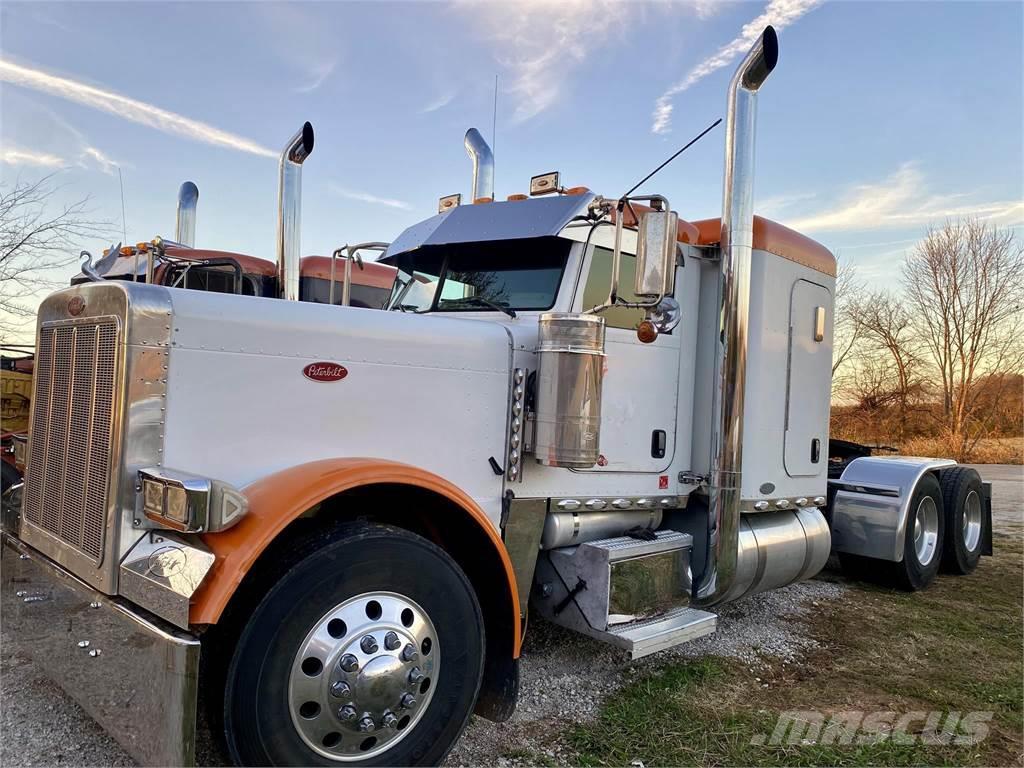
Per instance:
(887,328)
(37,239)
(847,326)
(965,286)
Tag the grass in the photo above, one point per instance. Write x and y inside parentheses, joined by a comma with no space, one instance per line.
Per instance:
(989,450)
(955,647)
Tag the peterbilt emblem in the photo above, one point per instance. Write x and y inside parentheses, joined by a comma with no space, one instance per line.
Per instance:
(76,306)
(325,371)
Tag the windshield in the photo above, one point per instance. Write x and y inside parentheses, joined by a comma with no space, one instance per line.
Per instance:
(481,276)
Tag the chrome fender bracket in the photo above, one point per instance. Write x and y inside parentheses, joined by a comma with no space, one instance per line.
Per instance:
(871,503)
(162,572)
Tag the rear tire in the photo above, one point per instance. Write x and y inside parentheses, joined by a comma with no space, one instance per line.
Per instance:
(923,539)
(963,499)
(372,619)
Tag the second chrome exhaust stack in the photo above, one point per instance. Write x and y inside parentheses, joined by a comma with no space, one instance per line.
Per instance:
(185,223)
(483,165)
(289,211)
(737,240)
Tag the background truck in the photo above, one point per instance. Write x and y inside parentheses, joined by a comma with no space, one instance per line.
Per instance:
(178,263)
(583,405)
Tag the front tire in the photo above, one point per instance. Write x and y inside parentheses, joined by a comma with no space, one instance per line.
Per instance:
(368,651)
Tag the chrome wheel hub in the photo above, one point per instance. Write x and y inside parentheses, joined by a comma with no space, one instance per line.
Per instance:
(972,521)
(926,530)
(363,676)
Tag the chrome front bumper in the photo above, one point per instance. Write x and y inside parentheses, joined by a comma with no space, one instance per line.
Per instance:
(136,676)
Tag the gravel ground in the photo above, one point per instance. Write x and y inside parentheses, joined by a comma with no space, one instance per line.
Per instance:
(564,676)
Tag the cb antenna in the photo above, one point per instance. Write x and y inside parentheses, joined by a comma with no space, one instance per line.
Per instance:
(680,151)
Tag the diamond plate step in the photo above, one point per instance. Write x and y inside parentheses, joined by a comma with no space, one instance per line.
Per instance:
(642,638)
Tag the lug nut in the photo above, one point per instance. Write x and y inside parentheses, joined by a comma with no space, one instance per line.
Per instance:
(392,641)
(408,701)
(366,725)
(340,689)
(390,720)
(349,663)
(347,713)
(368,644)
(409,653)
(415,676)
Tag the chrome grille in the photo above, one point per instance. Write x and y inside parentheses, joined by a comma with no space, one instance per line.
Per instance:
(73,409)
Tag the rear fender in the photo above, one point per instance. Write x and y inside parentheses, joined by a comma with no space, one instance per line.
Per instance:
(871,504)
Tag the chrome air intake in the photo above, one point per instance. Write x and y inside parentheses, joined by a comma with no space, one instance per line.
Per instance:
(289,210)
(736,246)
(185,223)
(483,165)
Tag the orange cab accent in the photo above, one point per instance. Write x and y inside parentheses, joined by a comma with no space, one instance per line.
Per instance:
(483,200)
(775,238)
(518,197)
(251,265)
(687,232)
(278,499)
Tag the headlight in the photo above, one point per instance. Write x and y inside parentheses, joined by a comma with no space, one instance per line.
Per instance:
(189,503)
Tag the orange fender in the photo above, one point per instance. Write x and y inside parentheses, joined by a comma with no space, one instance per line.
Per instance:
(278,499)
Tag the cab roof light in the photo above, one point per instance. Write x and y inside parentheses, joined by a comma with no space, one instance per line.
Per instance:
(517,197)
(448,202)
(545,184)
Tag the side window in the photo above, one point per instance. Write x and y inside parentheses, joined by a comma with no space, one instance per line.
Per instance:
(599,280)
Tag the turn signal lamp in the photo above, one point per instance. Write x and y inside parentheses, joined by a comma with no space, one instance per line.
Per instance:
(646,331)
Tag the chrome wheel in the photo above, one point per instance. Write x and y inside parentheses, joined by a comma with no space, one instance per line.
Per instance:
(971,531)
(362,678)
(926,530)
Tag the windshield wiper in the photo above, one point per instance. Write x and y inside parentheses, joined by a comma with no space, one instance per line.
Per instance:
(482,302)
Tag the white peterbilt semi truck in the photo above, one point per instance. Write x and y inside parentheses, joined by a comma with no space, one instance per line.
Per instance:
(587,406)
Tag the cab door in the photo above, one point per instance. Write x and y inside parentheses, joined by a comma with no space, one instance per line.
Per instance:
(640,390)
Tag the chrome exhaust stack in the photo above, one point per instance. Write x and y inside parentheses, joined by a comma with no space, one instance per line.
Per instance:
(185,222)
(483,165)
(737,240)
(289,210)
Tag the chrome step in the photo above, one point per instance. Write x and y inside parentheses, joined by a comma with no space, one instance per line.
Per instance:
(631,593)
(626,547)
(642,638)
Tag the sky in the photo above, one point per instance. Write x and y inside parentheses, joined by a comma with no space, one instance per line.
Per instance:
(880,119)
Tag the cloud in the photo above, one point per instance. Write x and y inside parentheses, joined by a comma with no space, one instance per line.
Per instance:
(707,8)
(16,156)
(366,197)
(319,74)
(106,164)
(902,199)
(541,44)
(440,102)
(127,108)
(779,13)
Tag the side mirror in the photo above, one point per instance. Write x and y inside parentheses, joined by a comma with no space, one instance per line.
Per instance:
(656,254)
